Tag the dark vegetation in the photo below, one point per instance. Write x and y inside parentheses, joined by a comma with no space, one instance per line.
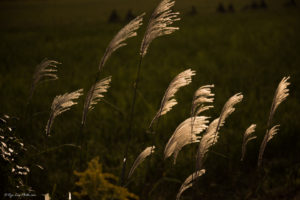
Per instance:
(248,51)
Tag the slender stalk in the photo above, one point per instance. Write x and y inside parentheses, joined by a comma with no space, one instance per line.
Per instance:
(80,137)
(130,121)
(113,107)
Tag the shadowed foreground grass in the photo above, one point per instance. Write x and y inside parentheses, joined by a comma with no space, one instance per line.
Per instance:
(246,52)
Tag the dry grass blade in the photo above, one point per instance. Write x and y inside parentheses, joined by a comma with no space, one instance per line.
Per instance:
(209,138)
(268,136)
(280,95)
(184,135)
(94,96)
(247,138)
(167,103)
(126,32)
(202,96)
(189,182)
(45,71)
(148,151)
(159,24)
(60,104)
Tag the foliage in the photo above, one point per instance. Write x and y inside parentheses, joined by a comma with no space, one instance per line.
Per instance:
(100,186)
(11,150)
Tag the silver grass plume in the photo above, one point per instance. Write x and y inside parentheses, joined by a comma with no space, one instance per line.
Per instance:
(60,104)
(148,151)
(45,71)
(209,138)
(247,138)
(201,97)
(268,136)
(182,79)
(94,96)
(228,108)
(159,24)
(126,32)
(280,95)
(189,182)
(184,135)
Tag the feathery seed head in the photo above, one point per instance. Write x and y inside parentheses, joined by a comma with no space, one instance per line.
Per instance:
(247,138)
(100,88)
(182,79)
(273,131)
(250,130)
(281,94)
(202,96)
(229,108)
(94,96)
(148,151)
(45,71)
(282,91)
(118,41)
(184,135)
(189,182)
(60,104)
(159,24)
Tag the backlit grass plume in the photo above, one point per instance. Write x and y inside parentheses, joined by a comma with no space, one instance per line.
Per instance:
(247,138)
(167,102)
(268,136)
(126,32)
(228,108)
(280,95)
(60,104)
(159,24)
(212,133)
(183,136)
(148,151)
(201,97)
(189,182)
(94,96)
(45,71)
(209,138)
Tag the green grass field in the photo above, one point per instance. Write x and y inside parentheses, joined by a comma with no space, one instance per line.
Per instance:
(245,51)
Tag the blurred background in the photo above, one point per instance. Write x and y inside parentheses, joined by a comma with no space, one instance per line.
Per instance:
(240,46)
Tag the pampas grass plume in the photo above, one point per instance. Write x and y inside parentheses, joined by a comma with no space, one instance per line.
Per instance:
(60,104)
(143,155)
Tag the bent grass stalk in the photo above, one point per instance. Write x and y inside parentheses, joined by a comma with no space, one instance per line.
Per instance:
(247,138)
(128,31)
(158,25)
(281,93)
